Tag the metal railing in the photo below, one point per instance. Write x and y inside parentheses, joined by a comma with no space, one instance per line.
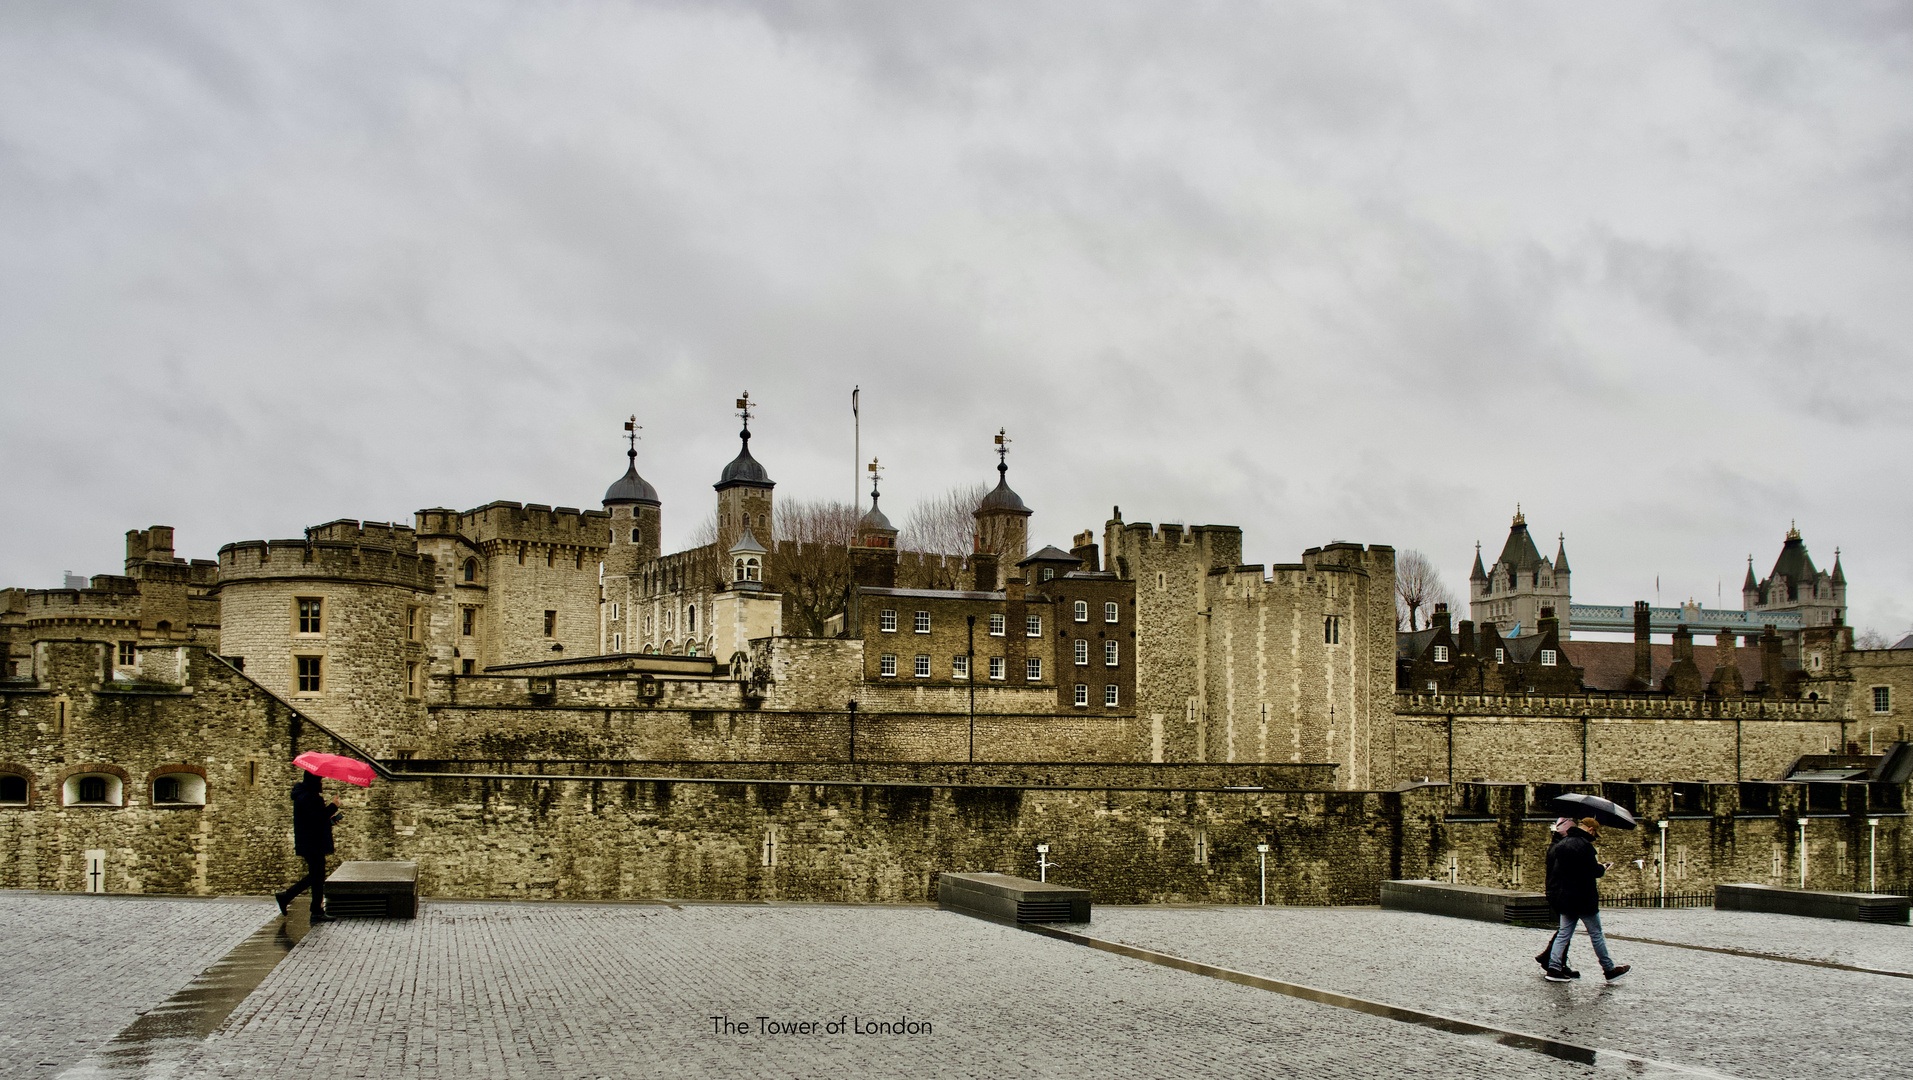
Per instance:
(1703,898)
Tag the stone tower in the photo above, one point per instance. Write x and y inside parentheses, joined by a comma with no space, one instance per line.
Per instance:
(1002,521)
(635,521)
(1795,585)
(744,490)
(1511,594)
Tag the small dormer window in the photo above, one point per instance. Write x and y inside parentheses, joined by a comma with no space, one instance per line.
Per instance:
(1547,657)
(1501,656)
(1441,654)
(1048,573)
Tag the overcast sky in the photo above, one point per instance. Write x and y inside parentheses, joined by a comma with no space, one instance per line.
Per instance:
(1325,271)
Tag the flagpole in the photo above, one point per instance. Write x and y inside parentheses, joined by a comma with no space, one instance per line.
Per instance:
(856,454)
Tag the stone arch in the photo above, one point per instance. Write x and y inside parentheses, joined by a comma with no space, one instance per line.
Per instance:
(71,779)
(30,795)
(191,787)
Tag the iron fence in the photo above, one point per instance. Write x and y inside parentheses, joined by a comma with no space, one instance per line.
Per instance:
(1704,898)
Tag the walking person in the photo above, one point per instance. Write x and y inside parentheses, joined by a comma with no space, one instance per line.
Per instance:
(312,820)
(1573,870)
(1555,835)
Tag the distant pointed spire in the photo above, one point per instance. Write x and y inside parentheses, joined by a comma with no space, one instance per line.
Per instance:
(1750,584)
(1479,574)
(1839,575)
(1561,555)
(1518,518)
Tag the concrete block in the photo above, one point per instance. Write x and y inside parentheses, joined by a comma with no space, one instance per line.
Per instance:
(1002,898)
(1469,902)
(1854,907)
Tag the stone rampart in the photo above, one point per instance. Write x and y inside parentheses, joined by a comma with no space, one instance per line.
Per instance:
(328,560)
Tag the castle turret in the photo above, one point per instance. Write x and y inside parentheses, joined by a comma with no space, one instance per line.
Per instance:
(1002,521)
(873,557)
(744,489)
(1512,592)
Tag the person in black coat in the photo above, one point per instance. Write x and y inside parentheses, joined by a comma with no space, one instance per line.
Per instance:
(1573,869)
(312,820)
(1555,836)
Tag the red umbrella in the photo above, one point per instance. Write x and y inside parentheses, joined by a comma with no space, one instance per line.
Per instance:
(334,767)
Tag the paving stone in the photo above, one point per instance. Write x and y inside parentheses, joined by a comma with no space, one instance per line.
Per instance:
(79,969)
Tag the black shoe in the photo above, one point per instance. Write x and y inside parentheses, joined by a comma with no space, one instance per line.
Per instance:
(283,900)
(1617,971)
(1558,975)
(1542,959)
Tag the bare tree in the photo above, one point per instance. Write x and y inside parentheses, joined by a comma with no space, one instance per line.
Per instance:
(811,566)
(1871,639)
(1418,585)
(943,528)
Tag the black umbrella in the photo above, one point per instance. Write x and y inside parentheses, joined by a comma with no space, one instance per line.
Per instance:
(1602,810)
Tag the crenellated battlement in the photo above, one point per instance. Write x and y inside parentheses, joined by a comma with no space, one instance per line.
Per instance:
(528,523)
(384,534)
(259,560)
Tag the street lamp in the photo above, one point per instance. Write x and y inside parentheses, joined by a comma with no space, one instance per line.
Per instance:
(1873,842)
(1042,863)
(1803,853)
(853,732)
(1262,857)
(1663,824)
(969,673)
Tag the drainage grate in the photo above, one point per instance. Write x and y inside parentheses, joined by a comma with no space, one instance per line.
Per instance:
(1043,911)
(374,906)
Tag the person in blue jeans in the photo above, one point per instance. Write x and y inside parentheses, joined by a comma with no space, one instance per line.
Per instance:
(1573,870)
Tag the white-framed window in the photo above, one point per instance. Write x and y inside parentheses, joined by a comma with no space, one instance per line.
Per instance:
(1501,656)
(1033,669)
(1082,611)
(996,667)
(1432,688)
(887,621)
(1882,699)
(1441,654)
(411,678)
(1082,695)
(1033,625)
(1082,653)
(959,667)
(923,666)
(1547,657)
(887,665)
(923,622)
(310,614)
(996,625)
(1111,654)
(1048,573)
(1109,695)
(1111,612)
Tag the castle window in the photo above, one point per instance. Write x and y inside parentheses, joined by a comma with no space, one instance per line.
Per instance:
(1082,652)
(996,625)
(615,609)
(1109,695)
(1441,654)
(578,557)
(617,643)
(1816,661)
(1547,657)
(411,679)
(13,789)
(309,674)
(887,665)
(1882,699)
(127,655)
(551,623)
(309,609)
(1110,653)
(1048,573)
(1033,625)
(1082,611)
(467,620)
(1082,695)
(551,556)
(669,647)
(521,554)
(471,569)
(1033,669)
(887,621)
(1331,629)
(1111,612)
(1161,582)
(92,789)
(1501,656)
(922,668)
(468,667)
(411,624)
(996,667)
(923,622)
(180,789)
(959,667)
(634,536)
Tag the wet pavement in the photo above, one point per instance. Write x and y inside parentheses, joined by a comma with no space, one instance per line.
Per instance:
(616,990)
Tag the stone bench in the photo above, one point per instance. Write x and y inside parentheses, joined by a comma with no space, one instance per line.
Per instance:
(1006,899)
(1469,902)
(373,890)
(1852,906)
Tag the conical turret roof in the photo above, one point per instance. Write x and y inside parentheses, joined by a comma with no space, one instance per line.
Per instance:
(1794,562)
(1519,552)
(1561,555)
(1478,574)
(1001,498)
(744,470)
(631,488)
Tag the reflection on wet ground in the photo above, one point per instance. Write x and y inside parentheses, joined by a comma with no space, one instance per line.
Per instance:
(155,1045)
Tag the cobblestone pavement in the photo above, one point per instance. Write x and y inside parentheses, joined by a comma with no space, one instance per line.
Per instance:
(561,990)
(79,969)
(1744,1016)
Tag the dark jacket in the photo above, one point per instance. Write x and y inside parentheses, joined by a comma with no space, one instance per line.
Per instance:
(311,819)
(1572,872)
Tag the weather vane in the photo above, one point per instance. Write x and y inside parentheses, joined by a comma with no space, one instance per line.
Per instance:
(874,470)
(1002,448)
(633,427)
(744,407)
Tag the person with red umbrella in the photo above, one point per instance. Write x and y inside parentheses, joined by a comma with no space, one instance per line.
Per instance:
(312,821)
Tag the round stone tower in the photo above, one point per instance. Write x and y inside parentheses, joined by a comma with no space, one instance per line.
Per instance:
(635,516)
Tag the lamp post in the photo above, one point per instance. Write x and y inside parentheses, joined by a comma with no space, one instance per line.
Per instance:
(853,732)
(1873,842)
(1042,863)
(1262,857)
(1663,824)
(969,673)
(1803,853)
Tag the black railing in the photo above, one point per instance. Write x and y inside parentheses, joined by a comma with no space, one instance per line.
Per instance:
(1704,898)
